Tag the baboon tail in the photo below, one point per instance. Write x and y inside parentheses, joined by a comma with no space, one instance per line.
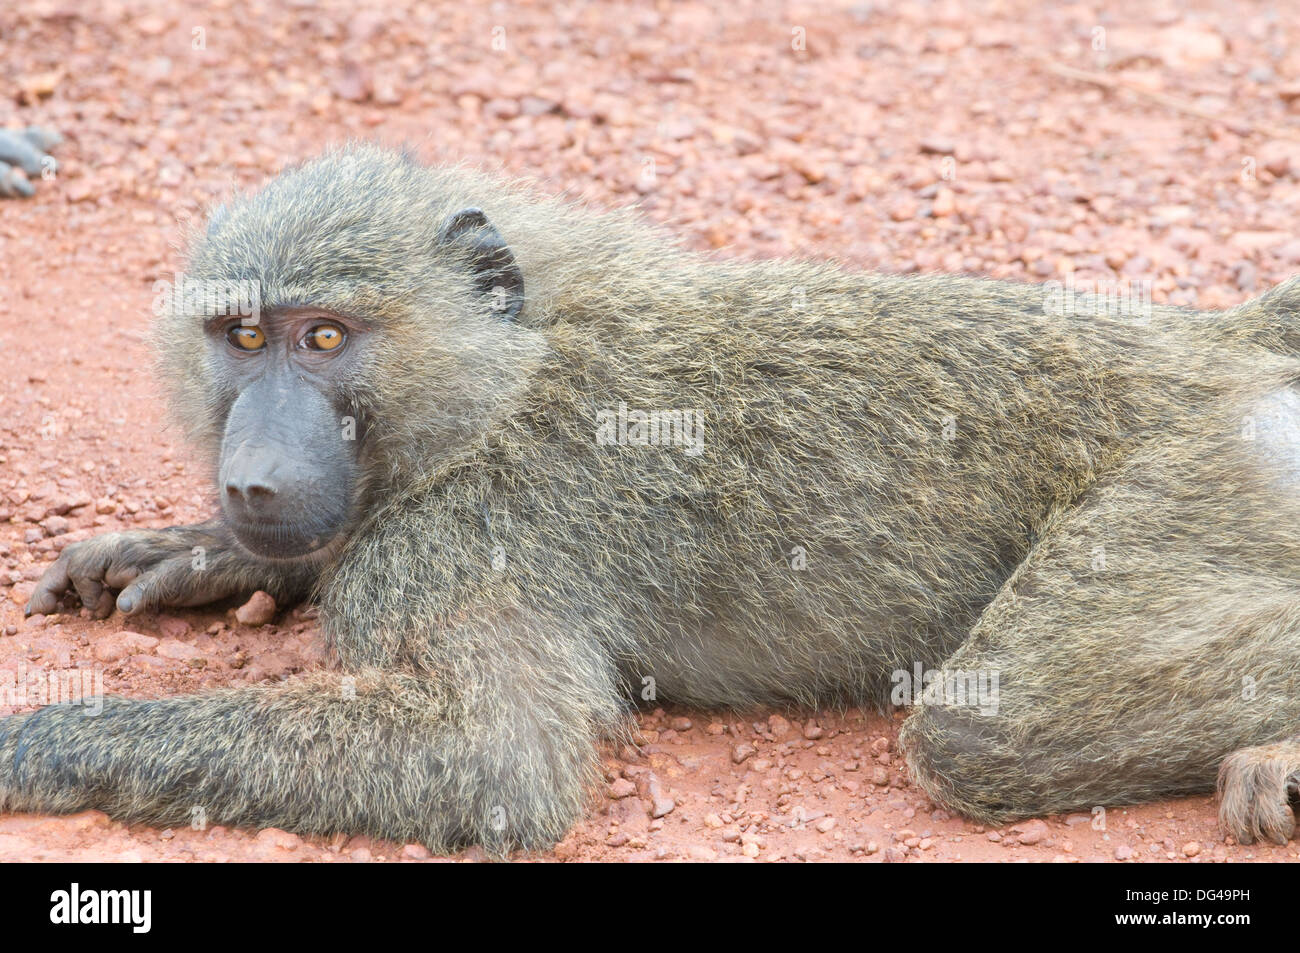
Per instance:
(1272,320)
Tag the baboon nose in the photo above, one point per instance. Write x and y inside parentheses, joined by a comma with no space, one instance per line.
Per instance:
(250,492)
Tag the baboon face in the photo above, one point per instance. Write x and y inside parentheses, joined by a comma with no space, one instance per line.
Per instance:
(303,394)
(288,460)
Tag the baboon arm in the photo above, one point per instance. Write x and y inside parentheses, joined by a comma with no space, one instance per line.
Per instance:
(409,757)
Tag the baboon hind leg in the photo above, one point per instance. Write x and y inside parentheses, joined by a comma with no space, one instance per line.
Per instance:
(1152,632)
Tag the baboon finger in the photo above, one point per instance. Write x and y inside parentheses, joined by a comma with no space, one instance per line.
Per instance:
(140,594)
(50,589)
(172,583)
(89,586)
(119,577)
(104,607)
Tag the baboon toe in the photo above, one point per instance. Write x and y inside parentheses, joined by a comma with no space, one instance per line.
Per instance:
(1256,788)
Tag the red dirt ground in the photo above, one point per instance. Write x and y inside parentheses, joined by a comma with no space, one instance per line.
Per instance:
(1181,165)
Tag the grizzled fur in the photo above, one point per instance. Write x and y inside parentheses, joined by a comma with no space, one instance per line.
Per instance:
(894,470)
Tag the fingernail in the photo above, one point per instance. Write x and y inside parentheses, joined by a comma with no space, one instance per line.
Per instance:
(126,603)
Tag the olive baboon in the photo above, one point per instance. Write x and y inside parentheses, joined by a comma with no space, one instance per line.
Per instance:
(468,423)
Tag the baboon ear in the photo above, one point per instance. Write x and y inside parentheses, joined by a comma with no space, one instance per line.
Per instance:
(496,273)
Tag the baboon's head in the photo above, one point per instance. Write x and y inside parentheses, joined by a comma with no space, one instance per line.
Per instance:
(345,331)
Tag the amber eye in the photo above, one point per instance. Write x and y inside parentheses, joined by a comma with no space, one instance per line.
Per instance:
(323,337)
(246,338)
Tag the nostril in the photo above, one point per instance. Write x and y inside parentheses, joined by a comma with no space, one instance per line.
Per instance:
(251,492)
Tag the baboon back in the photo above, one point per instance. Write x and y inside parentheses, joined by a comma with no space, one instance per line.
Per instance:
(900,440)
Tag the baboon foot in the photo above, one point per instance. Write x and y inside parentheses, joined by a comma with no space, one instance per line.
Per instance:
(1256,787)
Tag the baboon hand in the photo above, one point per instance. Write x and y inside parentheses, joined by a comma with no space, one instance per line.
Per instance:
(1256,786)
(147,568)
